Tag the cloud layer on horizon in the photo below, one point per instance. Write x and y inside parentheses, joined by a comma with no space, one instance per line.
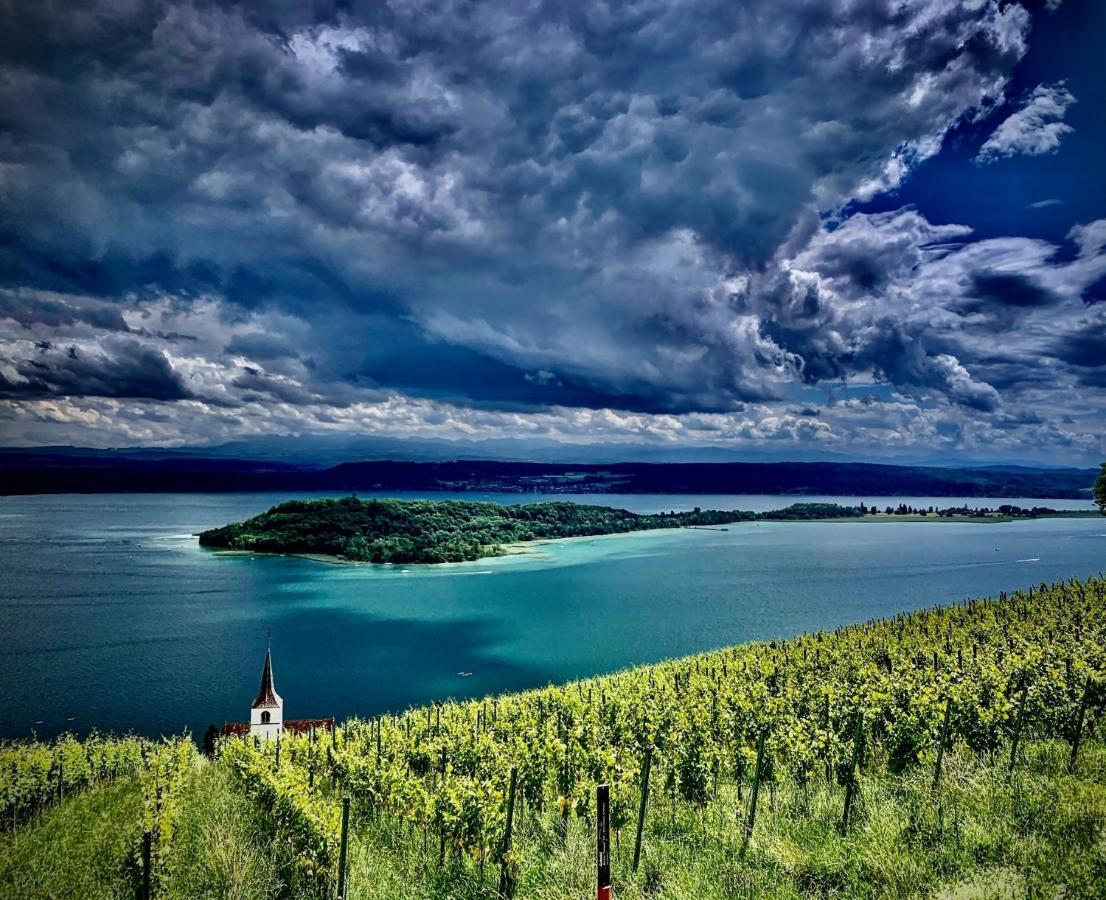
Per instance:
(587,222)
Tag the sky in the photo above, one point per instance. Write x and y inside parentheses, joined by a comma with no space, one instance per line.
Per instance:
(855,227)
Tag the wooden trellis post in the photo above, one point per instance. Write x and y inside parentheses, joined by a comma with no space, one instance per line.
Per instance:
(850,783)
(1018,726)
(603,841)
(751,821)
(147,853)
(642,807)
(943,742)
(342,849)
(1081,716)
(506,878)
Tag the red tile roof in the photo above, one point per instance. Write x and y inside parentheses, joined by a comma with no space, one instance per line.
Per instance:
(298,726)
(304,725)
(235,729)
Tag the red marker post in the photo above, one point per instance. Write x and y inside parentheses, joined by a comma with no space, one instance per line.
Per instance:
(603,843)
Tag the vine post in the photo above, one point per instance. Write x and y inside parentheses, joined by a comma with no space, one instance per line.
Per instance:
(941,745)
(758,772)
(642,806)
(603,842)
(850,782)
(342,848)
(506,879)
(1018,726)
(147,853)
(1077,739)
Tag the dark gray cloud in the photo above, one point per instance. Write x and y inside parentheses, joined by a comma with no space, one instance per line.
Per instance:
(32,309)
(509,208)
(1003,289)
(255,386)
(1085,347)
(129,369)
(260,346)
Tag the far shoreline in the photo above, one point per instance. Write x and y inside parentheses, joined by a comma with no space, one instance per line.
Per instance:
(531,548)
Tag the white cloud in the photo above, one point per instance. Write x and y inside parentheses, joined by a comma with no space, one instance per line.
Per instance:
(1035,129)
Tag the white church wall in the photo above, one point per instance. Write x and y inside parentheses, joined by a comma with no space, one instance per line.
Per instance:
(267,731)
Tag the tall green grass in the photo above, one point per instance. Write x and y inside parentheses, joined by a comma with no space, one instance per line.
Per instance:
(222,848)
(1039,833)
(83,848)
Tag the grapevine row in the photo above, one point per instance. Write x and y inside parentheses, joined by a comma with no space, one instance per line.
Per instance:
(34,773)
(308,823)
(1034,659)
(166,766)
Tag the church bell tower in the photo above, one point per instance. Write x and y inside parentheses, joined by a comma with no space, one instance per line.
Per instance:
(267,712)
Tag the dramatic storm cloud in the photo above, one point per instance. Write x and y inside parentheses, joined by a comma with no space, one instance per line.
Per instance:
(638,222)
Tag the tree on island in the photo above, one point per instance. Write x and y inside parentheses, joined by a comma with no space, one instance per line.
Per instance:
(1100,490)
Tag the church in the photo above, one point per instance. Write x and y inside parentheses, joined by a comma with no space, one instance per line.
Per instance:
(267,722)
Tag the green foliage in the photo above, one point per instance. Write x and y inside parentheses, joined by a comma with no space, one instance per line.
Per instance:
(308,823)
(1036,834)
(80,849)
(813,511)
(167,765)
(30,771)
(445,774)
(435,531)
(1100,490)
(222,848)
(429,786)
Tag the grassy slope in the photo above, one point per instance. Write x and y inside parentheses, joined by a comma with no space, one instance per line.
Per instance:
(994,836)
(1027,836)
(81,849)
(221,847)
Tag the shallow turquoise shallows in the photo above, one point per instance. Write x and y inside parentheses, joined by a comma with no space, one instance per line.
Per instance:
(113,617)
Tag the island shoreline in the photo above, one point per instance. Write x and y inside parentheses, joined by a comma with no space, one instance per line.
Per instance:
(532,548)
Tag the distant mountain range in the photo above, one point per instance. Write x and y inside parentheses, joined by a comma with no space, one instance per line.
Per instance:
(321,450)
(75,470)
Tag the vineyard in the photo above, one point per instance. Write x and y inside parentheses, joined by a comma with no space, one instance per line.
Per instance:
(885,759)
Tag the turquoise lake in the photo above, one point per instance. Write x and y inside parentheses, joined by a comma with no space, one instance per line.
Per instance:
(113,617)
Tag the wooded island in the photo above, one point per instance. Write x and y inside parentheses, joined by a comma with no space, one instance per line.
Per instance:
(438,531)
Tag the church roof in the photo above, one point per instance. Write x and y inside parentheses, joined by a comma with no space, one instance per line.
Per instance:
(303,726)
(235,729)
(266,694)
(297,726)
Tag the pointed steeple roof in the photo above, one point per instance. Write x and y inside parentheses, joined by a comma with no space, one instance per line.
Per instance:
(266,694)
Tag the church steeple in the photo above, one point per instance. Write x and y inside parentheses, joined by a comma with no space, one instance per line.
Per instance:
(267,712)
(267,697)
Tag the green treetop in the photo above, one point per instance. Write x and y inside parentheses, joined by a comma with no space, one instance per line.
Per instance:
(1100,490)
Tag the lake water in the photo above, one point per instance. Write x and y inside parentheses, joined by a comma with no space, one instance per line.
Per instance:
(113,617)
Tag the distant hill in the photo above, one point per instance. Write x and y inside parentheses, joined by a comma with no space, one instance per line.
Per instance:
(65,470)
